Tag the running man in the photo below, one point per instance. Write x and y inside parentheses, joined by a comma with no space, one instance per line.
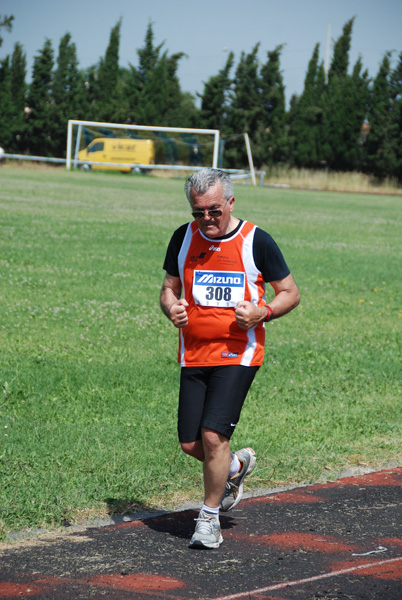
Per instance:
(214,293)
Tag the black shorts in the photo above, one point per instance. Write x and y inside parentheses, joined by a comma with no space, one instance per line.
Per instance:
(212,397)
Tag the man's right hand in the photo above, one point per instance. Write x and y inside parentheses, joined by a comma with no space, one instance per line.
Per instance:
(178,313)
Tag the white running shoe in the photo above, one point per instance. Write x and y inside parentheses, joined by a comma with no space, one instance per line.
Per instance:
(234,486)
(207,532)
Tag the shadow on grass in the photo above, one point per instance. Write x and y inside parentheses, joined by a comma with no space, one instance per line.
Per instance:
(120,507)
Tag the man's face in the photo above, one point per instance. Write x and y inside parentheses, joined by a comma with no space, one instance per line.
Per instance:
(212,200)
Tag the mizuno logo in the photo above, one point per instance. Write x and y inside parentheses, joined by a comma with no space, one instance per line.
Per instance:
(215,248)
(219,278)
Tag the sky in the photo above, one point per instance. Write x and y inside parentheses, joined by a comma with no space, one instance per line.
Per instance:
(207,30)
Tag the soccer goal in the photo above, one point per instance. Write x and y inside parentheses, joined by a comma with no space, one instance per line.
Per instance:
(114,146)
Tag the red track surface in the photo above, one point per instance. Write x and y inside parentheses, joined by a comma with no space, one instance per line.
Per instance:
(339,540)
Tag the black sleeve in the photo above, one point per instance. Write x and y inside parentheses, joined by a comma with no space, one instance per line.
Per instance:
(172,253)
(268,258)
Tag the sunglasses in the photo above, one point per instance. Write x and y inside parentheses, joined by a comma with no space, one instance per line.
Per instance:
(200,214)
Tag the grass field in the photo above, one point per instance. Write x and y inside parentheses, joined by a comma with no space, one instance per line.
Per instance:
(88,370)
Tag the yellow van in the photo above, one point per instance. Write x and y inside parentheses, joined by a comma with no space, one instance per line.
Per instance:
(119,151)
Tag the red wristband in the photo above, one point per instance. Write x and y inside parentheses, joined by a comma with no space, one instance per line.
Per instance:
(270,313)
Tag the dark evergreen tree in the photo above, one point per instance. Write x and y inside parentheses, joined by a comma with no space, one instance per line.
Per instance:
(88,108)
(133,90)
(343,114)
(340,60)
(106,88)
(67,91)
(189,111)
(39,126)
(292,128)
(153,89)
(120,105)
(6,105)
(7,23)
(396,98)
(381,143)
(215,97)
(257,107)
(245,112)
(18,91)
(305,117)
(270,135)
(160,99)
(356,110)
(148,57)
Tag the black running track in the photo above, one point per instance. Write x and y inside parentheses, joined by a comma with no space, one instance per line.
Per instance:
(340,540)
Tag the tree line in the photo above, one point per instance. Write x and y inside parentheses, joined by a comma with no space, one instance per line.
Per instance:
(343,120)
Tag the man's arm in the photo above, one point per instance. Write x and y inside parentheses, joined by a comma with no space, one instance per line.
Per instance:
(172,305)
(287,297)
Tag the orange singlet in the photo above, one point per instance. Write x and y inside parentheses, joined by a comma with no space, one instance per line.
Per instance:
(215,275)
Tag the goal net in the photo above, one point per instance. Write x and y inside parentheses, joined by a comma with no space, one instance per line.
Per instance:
(114,146)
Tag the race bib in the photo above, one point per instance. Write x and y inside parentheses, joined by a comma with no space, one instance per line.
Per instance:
(218,288)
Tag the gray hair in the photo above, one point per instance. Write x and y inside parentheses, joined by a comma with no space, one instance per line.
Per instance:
(202,180)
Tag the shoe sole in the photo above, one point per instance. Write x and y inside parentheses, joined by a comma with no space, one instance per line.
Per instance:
(251,466)
(200,545)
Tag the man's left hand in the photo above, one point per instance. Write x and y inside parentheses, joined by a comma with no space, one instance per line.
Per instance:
(248,315)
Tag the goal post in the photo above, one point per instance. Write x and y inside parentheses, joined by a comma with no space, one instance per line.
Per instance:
(76,142)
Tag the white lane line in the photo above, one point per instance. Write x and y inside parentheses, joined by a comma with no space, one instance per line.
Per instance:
(284,584)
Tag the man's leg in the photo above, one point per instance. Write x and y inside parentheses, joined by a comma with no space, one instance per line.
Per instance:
(209,407)
(228,387)
(217,459)
(216,465)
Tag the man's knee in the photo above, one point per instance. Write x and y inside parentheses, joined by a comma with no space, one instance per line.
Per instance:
(214,441)
(188,447)
(193,449)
